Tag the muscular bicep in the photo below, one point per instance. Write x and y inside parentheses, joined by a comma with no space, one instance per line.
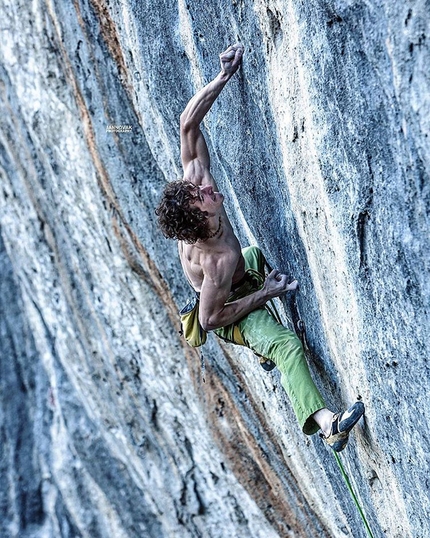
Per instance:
(193,145)
(195,155)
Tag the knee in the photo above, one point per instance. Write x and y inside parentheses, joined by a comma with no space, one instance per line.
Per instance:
(293,345)
(290,346)
(297,345)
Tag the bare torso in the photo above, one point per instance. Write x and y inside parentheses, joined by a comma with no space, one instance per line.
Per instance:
(198,261)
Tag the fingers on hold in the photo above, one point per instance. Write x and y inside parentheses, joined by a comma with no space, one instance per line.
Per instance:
(227,55)
(279,277)
(233,52)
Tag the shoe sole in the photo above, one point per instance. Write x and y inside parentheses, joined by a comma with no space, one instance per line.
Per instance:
(346,424)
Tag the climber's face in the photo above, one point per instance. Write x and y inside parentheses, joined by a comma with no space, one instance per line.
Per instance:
(208,200)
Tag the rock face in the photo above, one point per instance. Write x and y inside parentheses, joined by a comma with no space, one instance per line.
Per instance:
(320,144)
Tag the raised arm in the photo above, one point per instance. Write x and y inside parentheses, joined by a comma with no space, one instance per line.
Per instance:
(194,151)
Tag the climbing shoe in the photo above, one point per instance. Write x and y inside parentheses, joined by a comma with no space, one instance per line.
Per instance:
(341,426)
(267,364)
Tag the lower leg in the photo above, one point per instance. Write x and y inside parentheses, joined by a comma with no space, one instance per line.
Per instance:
(268,338)
(324,417)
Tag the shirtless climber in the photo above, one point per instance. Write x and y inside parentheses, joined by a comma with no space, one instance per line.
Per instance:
(232,298)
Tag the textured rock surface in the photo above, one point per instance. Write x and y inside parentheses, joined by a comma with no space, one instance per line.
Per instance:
(321,146)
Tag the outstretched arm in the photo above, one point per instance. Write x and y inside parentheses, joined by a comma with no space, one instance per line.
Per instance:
(193,145)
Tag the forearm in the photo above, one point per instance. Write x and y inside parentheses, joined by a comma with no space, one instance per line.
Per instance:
(213,317)
(200,104)
(234,311)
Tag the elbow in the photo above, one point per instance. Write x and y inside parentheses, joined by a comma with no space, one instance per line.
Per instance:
(208,324)
(207,327)
(184,121)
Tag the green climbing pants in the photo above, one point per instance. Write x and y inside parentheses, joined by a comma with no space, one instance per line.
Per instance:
(260,332)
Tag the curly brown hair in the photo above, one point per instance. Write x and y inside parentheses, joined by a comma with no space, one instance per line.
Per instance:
(177,218)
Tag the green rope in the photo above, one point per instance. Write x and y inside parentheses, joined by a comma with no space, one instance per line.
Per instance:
(353,495)
(302,336)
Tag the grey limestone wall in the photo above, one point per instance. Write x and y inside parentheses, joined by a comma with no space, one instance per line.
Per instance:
(320,144)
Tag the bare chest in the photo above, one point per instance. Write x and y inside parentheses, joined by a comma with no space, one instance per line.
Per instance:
(193,259)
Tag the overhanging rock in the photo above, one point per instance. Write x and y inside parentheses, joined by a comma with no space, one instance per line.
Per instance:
(320,144)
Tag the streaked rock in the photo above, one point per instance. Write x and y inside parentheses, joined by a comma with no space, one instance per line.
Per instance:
(321,146)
